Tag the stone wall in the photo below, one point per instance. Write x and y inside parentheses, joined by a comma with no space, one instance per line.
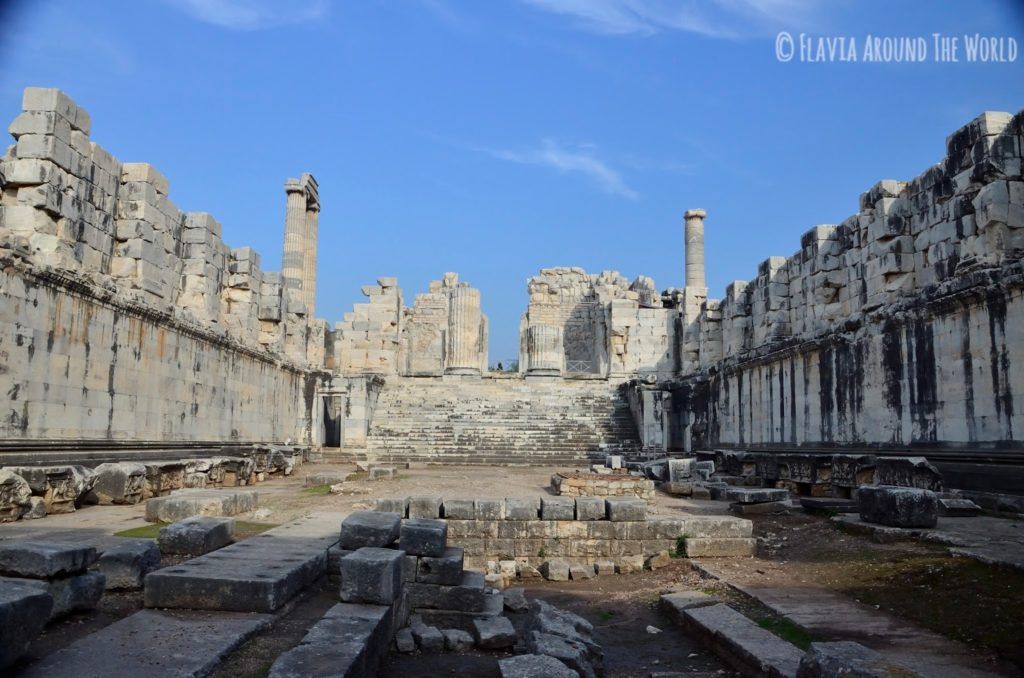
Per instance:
(902,327)
(125,318)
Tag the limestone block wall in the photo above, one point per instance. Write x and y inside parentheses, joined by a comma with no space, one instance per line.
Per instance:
(902,327)
(124,318)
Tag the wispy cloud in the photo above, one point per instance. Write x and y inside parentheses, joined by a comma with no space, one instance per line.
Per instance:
(712,18)
(578,159)
(249,15)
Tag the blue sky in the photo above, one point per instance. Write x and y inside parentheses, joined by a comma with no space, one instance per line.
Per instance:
(495,138)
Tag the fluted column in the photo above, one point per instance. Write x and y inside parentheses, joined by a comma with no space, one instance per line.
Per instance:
(544,350)
(309,258)
(293,262)
(695,248)
(463,354)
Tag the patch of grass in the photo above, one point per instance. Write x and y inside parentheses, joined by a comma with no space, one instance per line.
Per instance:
(541,553)
(680,550)
(605,615)
(357,475)
(244,528)
(151,531)
(318,490)
(786,630)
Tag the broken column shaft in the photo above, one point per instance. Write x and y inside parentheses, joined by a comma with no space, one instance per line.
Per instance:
(695,248)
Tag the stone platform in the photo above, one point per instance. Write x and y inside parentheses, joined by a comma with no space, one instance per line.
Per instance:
(259,574)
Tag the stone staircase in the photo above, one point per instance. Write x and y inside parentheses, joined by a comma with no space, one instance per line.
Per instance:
(499,421)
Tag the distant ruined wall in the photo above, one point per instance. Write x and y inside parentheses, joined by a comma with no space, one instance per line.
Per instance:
(124,318)
(902,327)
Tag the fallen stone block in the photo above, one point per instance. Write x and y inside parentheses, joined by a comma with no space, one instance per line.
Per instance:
(515,599)
(621,509)
(829,505)
(459,509)
(197,535)
(677,489)
(24,611)
(534,666)
(604,567)
(188,503)
(424,507)
(126,564)
(494,633)
(907,472)
(44,560)
(428,638)
(399,505)
(445,569)
(371,575)
(579,571)
(375,529)
(761,508)
(118,483)
(424,537)
(572,653)
(898,506)
(720,547)
(489,509)
(555,570)
(350,641)
(846,659)
(590,508)
(750,649)
(658,561)
(522,508)
(755,495)
(681,470)
(76,593)
(557,508)
(955,507)
(320,479)
(630,564)
(382,473)
(404,641)
(15,496)
(334,556)
(457,640)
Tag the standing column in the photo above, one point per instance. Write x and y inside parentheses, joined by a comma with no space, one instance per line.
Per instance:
(463,355)
(309,259)
(695,248)
(292,264)
(544,350)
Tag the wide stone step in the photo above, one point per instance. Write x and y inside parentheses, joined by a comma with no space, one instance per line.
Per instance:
(259,574)
(153,643)
(752,650)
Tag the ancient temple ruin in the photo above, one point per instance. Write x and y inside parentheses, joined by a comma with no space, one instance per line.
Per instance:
(130,325)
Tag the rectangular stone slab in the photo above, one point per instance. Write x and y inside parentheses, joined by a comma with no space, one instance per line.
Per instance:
(40,560)
(755,495)
(259,574)
(187,503)
(153,643)
(749,648)
(350,640)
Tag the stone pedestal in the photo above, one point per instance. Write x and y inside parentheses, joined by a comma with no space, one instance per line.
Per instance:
(463,354)
(544,351)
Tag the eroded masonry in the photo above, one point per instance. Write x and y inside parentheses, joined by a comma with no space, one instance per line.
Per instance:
(131,326)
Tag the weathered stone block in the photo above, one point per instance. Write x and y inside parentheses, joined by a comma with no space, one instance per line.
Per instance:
(318,479)
(424,507)
(494,633)
(522,508)
(382,472)
(399,505)
(714,547)
(43,560)
(534,666)
(755,495)
(490,509)
(445,569)
(578,571)
(555,569)
(621,509)
(898,506)
(15,496)
(570,652)
(187,503)
(126,564)
(843,659)
(955,507)
(459,509)
(197,535)
(681,470)
(428,638)
(371,575)
(24,611)
(369,528)
(118,483)
(468,596)
(907,472)
(424,537)
(457,640)
(557,508)
(590,508)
